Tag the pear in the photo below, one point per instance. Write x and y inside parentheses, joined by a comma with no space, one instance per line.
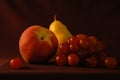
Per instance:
(60,30)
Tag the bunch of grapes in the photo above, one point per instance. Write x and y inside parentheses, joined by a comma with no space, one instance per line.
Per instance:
(84,50)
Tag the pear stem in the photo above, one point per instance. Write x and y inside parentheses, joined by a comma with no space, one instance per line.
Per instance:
(55,17)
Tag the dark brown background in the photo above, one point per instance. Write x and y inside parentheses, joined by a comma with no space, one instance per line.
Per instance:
(94,17)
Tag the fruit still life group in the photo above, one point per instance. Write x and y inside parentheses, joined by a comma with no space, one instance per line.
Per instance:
(38,45)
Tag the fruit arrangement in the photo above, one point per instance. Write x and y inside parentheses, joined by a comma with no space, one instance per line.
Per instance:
(38,44)
(80,49)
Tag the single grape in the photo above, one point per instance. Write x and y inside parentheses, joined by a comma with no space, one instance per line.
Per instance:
(110,62)
(73,59)
(91,61)
(92,40)
(74,48)
(64,48)
(16,63)
(83,52)
(84,43)
(81,36)
(61,59)
(73,40)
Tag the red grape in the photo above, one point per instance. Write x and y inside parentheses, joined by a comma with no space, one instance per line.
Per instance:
(16,63)
(74,48)
(110,62)
(73,40)
(84,43)
(61,59)
(73,59)
(92,40)
(83,52)
(91,61)
(81,36)
(64,48)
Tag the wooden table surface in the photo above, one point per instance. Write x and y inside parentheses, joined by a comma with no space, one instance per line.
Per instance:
(52,72)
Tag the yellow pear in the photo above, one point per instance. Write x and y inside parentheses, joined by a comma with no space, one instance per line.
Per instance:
(60,30)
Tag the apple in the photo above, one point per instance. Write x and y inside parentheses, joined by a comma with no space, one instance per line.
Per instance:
(37,44)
